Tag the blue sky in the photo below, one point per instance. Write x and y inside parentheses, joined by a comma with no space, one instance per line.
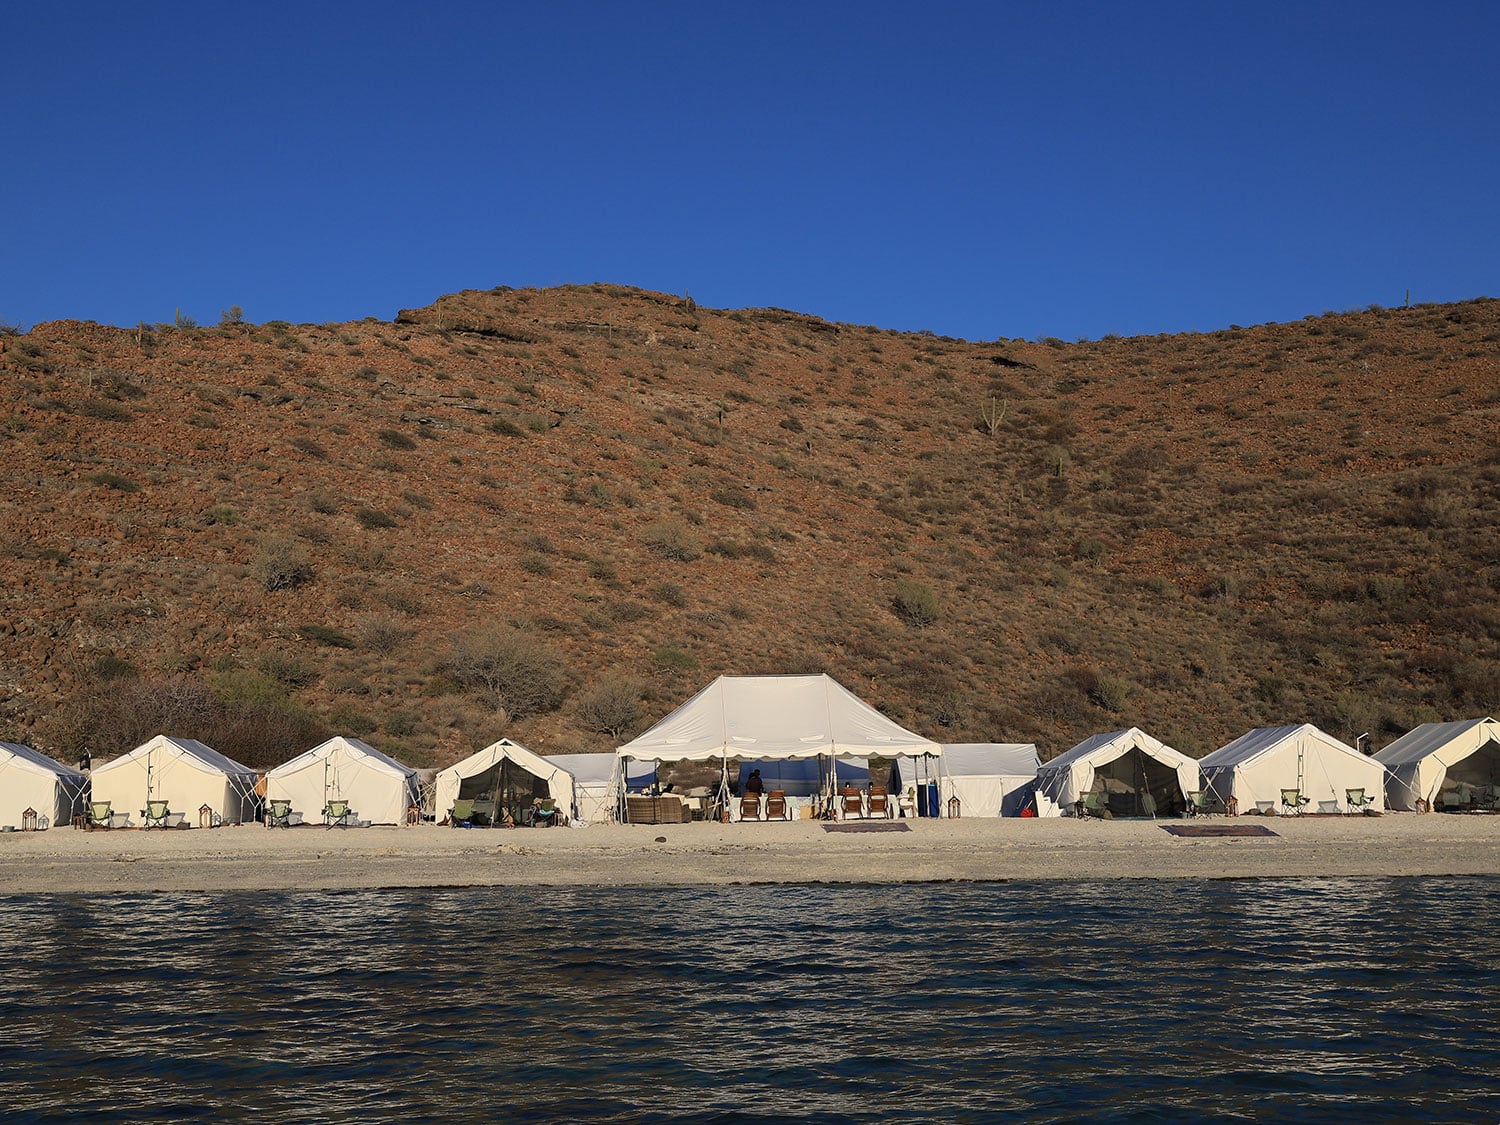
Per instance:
(976,169)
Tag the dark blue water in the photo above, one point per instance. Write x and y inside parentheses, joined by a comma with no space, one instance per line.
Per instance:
(1310,1000)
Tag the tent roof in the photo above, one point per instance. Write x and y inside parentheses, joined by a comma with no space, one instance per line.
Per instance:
(990,759)
(587,768)
(351,746)
(184,748)
(769,717)
(504,749)
(36,761)
(1115,743)
(1264,740)
(1429,738)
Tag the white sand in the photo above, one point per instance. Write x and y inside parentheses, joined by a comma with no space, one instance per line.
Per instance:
(251,857)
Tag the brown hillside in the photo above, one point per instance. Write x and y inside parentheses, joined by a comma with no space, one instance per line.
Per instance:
(557,502)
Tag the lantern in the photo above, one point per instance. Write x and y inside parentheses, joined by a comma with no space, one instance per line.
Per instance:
(28,820)
(205,816)
(954,808)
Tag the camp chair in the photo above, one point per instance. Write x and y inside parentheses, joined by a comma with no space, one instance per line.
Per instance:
(1292,801)
(853,803)
(99,814)
(483,813)
(1356,799)
(776,805)
(750,806)
(1197,803)
(155,814)
(462,812)
(337,812)
(279,814)
(1093,804)
(880,801)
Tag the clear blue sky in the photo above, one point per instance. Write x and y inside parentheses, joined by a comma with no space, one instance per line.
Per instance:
(977,169)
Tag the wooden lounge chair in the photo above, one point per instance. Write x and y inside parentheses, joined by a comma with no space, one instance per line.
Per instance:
(279,814)
(880,802)
(1292,801)
(750,806)
(853,803)
(776,805)
(100,815)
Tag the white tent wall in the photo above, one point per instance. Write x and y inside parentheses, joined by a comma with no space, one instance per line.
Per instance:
(379,789)
(482,770)
(1062,782)
(1257,766)
(989,779)
(1434,756)
(597,780)
(181,771)
(31,780)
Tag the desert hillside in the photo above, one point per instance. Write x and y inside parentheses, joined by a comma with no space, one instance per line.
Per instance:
(555,514)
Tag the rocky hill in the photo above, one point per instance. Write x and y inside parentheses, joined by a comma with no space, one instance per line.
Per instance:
(555,514)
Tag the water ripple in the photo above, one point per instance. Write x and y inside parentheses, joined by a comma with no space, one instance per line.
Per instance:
(1314,999)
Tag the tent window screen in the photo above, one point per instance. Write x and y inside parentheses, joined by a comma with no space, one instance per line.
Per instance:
(1480,768)
(1127,780)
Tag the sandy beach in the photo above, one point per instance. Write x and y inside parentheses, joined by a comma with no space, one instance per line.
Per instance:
(251,857)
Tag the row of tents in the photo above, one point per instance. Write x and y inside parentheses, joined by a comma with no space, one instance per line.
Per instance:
(807,734)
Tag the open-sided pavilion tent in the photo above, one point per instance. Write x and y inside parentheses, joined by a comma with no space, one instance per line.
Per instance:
(377,788)
(597,781)
(508,774)
(1439,758)
(988,778)
(31,780)
(776,718)
(1125,768)
(181,771)
(1255,768)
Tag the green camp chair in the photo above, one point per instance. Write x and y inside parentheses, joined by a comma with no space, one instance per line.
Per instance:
(1093,804)
(279,814)
(155,814)
(1198,803)
(99,814)
(337,812)
(546,813)
(1356,800)
(462,812)
(1292,801)
(483,813)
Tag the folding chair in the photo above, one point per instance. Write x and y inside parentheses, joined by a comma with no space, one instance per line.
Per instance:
(1356,799)
(279,814)
(337,812)
(99,814)
(1292,801)
(155,814)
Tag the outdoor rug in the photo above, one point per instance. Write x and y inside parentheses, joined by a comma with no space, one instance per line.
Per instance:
(1198,830)
(871,826)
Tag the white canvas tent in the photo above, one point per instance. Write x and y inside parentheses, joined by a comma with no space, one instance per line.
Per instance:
(1124,767)
(988,778)
(1437,759)
(773,718)
(31,780)
(597,779)
(507,773)
(378,788)
(1255,768)
(181,771)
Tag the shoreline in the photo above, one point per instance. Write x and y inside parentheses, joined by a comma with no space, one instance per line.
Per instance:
(253,858)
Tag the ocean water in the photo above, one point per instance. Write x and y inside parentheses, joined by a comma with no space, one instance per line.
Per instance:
(1306,1000)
